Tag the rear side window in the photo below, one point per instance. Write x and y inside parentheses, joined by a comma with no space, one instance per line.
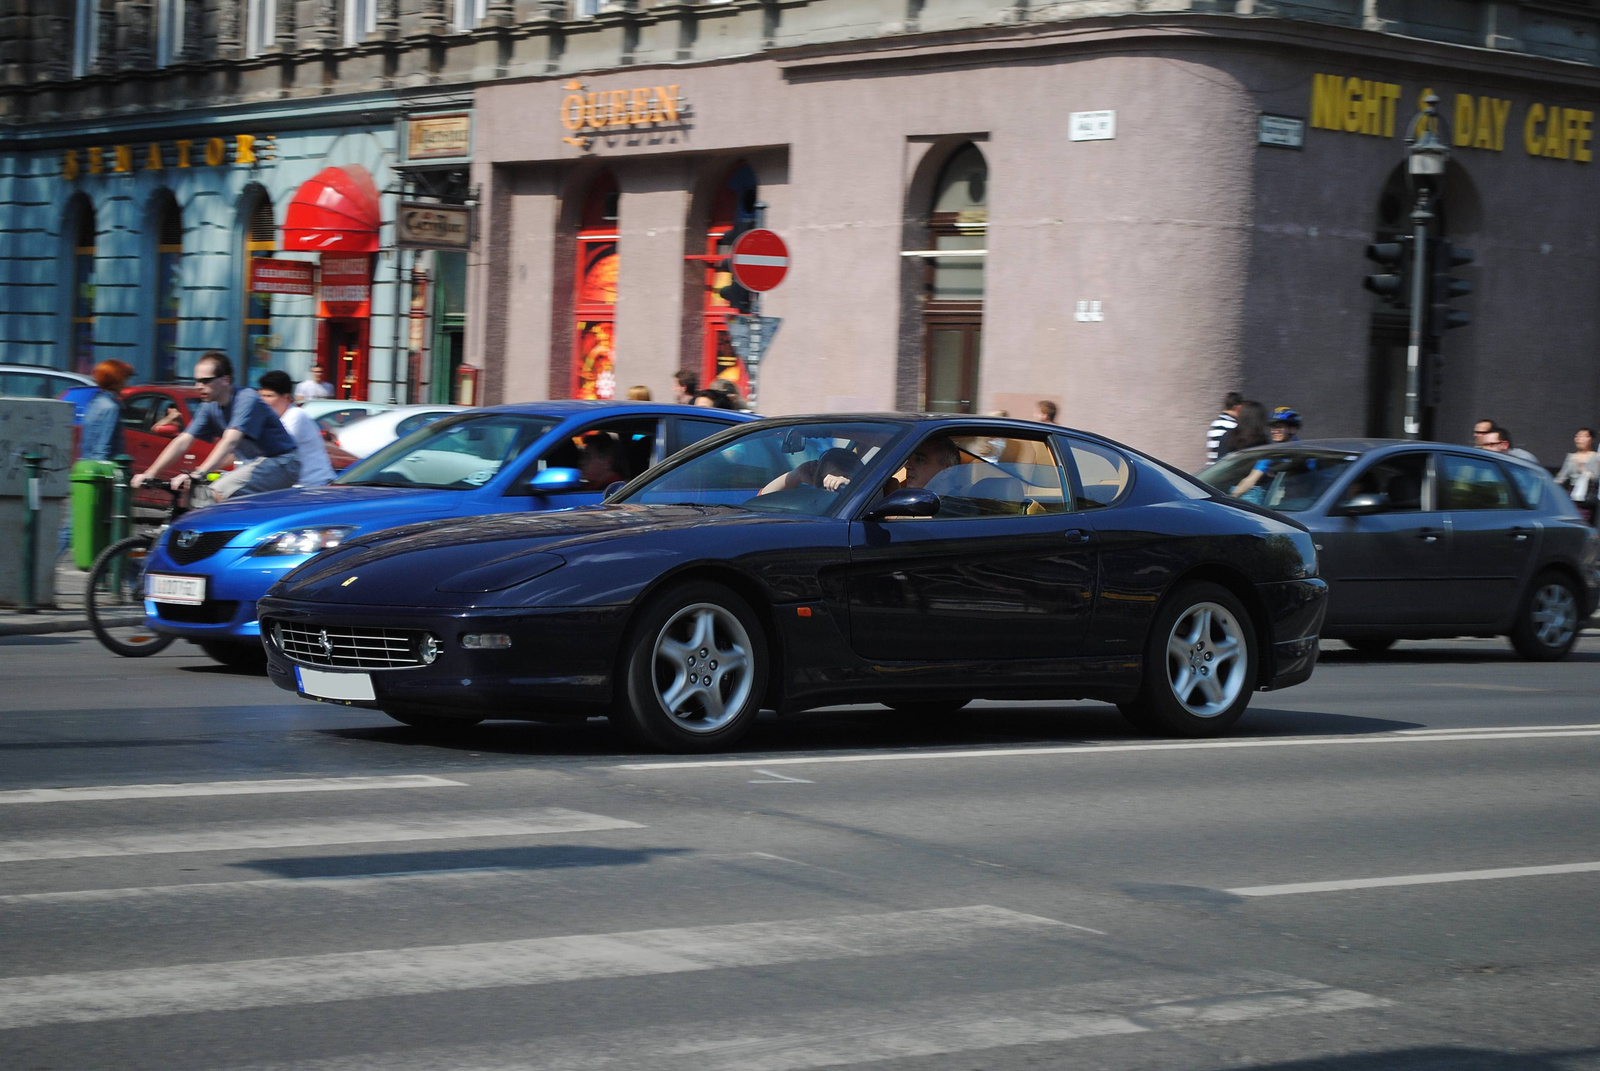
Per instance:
(1539,491)
(1472,483)
(691,431)
(1103,474)
(415,421)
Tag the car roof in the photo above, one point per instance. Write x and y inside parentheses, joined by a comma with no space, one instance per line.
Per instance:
(567,407)
(1370,446)
(44,369)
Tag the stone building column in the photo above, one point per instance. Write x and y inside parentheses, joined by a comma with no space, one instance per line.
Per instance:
(106,38)
(389,19)
(194,31)
(328,29)
(287,32)
(434,19)
(137,21)
(230,29)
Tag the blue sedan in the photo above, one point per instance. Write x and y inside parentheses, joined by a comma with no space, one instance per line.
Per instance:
(204,577)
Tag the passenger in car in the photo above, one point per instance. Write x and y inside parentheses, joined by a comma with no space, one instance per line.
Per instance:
(600,461)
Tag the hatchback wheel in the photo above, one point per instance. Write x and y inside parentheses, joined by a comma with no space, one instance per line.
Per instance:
(1200,664)
(695,669)
(1547,623)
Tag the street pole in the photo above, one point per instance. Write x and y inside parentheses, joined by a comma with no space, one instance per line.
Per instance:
(1420,218)
(27,604)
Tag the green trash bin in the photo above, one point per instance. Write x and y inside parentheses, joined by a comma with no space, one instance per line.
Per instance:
(92,482)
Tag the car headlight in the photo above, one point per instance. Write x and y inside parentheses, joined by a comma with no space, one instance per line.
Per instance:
(302,541)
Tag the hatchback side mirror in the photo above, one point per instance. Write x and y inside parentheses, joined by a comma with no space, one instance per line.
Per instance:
(552,480)
(1364,505)
(906,502)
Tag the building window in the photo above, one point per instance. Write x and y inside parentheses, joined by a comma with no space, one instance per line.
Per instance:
(80,232)
(594,372)
(261,26)
(952,317)
(169,268)
(360,19)
(733,211)
(584,9)
(169,32)
(85,36)
(470,13)
(260,240)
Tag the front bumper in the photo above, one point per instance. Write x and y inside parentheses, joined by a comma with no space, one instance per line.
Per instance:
(1295,609)
(561,659)
(235,580)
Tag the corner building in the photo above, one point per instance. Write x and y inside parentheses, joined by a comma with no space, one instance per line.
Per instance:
(987,204)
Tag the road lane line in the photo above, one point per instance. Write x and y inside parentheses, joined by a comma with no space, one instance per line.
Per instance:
(225,837)
(1098,749)
(223,788)
(1415,879)
(94,996)
(1497,729)
(782,1040)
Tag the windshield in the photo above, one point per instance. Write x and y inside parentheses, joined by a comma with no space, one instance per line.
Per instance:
(791,468)
(1286,480)
(452,456)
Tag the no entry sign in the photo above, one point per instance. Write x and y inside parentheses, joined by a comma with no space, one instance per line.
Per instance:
(759,259)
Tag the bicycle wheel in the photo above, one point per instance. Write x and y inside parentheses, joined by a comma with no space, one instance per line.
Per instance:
(114,599)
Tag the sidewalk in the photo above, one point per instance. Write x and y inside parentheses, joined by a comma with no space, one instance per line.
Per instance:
(66,616)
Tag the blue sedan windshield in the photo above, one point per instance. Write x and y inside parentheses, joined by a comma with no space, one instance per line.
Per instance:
(456,455)
(791,468)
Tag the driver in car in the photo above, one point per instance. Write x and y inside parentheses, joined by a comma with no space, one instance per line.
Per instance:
(831,472)
(600,461)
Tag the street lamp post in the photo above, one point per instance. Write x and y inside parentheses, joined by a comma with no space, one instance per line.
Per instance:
(1426,155)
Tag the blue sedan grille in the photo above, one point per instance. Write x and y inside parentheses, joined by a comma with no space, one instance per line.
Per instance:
(185,545)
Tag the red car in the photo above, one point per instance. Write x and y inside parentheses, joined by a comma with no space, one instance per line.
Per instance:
(152,416)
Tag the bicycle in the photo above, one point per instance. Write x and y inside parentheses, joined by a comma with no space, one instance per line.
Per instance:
(116,587)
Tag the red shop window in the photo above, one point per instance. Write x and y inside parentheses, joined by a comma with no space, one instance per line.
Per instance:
(594,373)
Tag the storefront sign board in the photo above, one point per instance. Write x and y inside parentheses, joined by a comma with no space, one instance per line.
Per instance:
(271,276)
(439,137)
(240,150)
(1281,131)
(1092,126)
(431,226)
(346,289)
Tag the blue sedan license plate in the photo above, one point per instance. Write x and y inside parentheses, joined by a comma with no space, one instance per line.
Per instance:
(345,686)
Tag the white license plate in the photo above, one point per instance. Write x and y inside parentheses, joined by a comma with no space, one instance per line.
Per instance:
(345,686)
(188,590)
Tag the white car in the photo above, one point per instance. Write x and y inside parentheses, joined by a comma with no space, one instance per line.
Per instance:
(369,435)
(38,381)
(331,414)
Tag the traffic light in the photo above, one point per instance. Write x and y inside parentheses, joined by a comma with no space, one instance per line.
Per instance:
(1394,284)
(737,296)
(1442,287)
(1430,379)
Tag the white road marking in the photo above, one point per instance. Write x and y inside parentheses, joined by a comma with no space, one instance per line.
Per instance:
(223,788)
(778,778)
(93,996)
(1085,750)
(1496,729)
(796,1041)
(1416,879)
(240,836)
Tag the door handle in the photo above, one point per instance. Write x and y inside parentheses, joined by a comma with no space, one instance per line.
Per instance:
(1428,535)
(1518,535)
(1077,535)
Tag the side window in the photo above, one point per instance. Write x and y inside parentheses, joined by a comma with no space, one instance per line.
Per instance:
(604,453)
(139,412)
(415,421)
(1103,474)
(1401,478)
(987,476)
(1535,486)
(691,431)
(1472,483)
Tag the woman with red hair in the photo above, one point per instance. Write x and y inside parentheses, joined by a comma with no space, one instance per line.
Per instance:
(102,417)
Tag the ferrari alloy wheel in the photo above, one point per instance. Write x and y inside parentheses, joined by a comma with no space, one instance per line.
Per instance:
(1200,664)
(696,669)
(1547,624)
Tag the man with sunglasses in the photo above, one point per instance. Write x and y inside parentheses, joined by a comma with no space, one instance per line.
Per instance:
(246,427)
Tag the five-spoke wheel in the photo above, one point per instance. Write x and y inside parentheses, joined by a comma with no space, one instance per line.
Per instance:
(1200,664)
(1547,623)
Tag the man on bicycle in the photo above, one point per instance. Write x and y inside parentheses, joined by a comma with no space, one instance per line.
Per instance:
(247,427)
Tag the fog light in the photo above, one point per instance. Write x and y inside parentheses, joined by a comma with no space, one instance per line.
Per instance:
(486,641)
(430,649)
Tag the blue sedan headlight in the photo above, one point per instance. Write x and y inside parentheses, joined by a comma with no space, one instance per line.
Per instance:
(298,541)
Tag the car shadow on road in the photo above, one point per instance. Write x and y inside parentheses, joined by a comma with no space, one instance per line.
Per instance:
(836,729)
(1403,654)
(543,857)
(1437,1058)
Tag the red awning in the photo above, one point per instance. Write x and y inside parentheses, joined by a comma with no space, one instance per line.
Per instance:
(335,212)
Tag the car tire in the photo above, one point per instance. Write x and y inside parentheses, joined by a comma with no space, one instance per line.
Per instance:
(1548,620)
(1200,664)
(431,724)
(246,656)
(694,669)
(929,708)
(1370,645)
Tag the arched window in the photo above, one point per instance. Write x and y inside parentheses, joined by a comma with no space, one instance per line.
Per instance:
(260,240)
(733,211)
(79,233)
(595,293)
(167,221)
(952,318)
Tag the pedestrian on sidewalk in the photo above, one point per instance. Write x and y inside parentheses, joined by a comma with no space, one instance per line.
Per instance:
(688,386)
(1251,429)
(313,386)
(315,469)
(1480,432)
(1047,411)
(245,427)
(100,438)
(1499,441)
(1580,473)
(1285,425)
(1225,422)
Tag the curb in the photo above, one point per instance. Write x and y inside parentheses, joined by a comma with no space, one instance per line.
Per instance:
(43,625)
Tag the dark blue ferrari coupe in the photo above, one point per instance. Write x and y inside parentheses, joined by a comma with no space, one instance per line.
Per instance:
(917,561)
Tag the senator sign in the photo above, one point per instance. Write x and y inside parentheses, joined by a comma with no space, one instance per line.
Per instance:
(432,226)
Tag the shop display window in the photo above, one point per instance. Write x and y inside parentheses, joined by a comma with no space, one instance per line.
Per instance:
(595,294)
(733,211)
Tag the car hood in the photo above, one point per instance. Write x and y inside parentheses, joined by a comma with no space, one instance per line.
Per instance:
(405,566)
(368,508)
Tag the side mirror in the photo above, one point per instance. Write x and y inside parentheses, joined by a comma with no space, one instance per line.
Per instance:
(1363,505)
(906,502)
(555,479)
(613,487)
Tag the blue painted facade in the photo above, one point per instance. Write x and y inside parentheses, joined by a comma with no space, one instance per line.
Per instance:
(40,200)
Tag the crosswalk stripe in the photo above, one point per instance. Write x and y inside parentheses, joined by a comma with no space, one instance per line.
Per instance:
(262,983)
(799,1041)
(241,836)
(223,788)
(1445,878)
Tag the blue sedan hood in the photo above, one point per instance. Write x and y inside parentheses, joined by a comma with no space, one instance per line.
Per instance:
(370,508)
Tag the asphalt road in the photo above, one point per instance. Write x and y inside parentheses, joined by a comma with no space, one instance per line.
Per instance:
(1396,865)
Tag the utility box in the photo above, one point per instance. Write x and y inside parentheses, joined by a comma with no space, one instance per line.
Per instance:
(92,489)
(41,426)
